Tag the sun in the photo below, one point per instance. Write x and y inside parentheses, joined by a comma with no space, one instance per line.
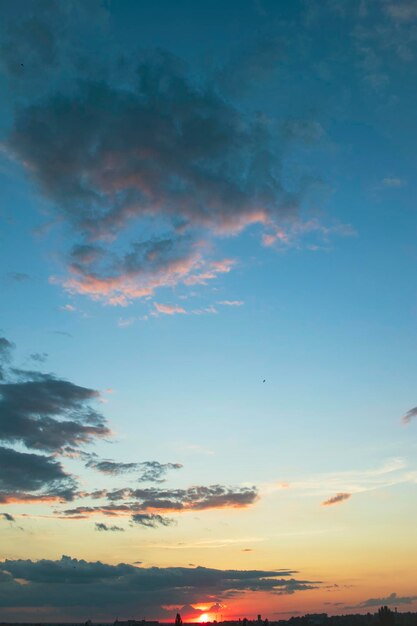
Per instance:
(204,617)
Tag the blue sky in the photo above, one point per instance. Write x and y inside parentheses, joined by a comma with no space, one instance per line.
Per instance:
(195,198)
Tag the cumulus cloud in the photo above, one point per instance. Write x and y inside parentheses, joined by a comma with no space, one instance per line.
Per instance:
(68,587)
(33,472)
(101,527)
(337,499)
(157,164)
(406,419)
(45,414)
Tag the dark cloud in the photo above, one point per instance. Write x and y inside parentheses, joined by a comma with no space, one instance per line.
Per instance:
(155,472)
(392,599)
(23,472)
(165,152)
(8,517)
(101,527)
(150,471)
(71,587)
(6,347)
(337,499)
(406,419)
(48,413)
(195,498)
(151,520)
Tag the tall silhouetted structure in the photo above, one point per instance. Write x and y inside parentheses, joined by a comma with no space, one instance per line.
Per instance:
(178,620)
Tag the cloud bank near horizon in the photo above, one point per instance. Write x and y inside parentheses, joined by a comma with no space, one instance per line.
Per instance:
(72,587)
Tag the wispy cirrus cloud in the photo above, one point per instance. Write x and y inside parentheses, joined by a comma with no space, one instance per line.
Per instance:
(392,472)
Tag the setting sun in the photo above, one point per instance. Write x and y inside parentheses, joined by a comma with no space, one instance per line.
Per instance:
(204,617)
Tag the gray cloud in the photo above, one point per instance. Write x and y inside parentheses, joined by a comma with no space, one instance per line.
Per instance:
(69,587)
(17,277)
(406,419)
(28,472)
(155,472)
(8,517)
(101,527)
(39,357)
(6,347)
(337,499)
(392,599)
(150,471)
(197,498)
(164,151)
(48,413)
(151,520)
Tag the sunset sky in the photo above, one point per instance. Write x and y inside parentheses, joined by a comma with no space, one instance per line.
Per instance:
(208,319)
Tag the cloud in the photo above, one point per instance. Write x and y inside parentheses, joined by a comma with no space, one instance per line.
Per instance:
(69,587)
(337,499)
(150,471)
(35,473)
(8,517)
(6,347)
(393,598)
(393,182)
(401,11)
(17,277)
(39,357)
(47,413)
(168,309)
(231,302)
(392,472)
(101,527)
(164,153)
(406,419)
(151,520)
(128,501)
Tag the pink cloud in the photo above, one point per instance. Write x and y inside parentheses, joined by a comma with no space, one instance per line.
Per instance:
(169,309)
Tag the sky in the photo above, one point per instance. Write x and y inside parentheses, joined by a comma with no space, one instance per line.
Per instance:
(207,312)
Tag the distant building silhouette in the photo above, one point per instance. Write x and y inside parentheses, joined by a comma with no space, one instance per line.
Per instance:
(178,620)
